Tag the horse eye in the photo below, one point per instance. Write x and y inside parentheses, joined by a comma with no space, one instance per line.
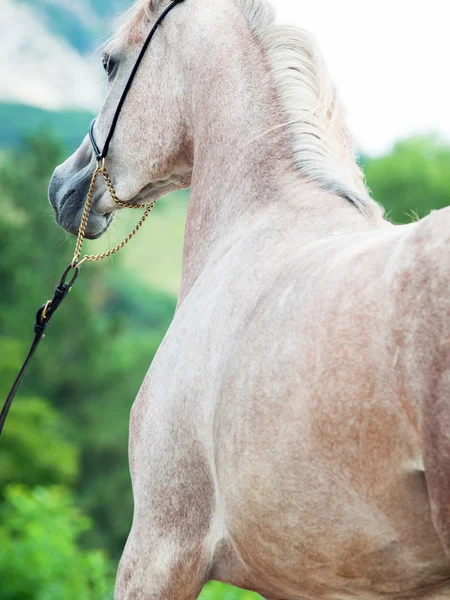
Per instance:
(108,63)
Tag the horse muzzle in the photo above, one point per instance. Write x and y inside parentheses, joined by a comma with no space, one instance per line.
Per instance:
(67,195)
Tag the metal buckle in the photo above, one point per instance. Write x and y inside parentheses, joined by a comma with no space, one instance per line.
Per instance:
(46,307)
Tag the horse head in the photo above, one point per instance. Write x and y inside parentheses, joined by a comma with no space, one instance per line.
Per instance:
(150,154)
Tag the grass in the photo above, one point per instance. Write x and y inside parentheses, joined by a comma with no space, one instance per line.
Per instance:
(154,256)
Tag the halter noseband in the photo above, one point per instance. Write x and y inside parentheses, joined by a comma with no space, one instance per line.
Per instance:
(102,154)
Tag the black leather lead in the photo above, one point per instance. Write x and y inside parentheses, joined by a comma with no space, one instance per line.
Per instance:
(43,318)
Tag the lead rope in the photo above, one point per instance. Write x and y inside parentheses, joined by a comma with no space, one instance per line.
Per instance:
(101,170)
(47,310)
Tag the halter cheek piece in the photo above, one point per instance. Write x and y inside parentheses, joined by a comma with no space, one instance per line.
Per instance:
(100,155)
(46,312)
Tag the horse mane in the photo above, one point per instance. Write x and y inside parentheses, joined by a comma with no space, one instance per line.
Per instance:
(321,141)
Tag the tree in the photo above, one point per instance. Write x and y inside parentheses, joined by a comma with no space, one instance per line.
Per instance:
(34,447)
(413,180)
(40,555)
(76,397)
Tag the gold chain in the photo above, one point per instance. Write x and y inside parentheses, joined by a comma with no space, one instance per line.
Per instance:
(101,169)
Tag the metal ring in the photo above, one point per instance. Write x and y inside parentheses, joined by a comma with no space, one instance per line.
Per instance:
(63,282)
(45,310)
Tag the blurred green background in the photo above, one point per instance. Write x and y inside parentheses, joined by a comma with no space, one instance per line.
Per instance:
(65,493)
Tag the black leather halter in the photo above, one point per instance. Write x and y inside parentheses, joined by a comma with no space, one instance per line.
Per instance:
(101,154)
(46,312)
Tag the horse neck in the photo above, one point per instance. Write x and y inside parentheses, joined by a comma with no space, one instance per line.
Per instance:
(243,163)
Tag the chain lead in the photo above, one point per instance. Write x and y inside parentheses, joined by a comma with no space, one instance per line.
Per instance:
(101,169)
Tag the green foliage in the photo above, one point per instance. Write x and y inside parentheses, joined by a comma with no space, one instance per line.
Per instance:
(413,180)
(40,555)
(26,458)
(215,591)
(129,299)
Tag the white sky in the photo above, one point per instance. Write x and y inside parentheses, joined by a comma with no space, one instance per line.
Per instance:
(390,60)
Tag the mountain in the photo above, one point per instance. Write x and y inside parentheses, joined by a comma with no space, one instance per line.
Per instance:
(18,121)
(47,51)
(83,23)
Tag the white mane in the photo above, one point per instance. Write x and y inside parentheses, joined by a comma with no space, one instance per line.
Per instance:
(322,145)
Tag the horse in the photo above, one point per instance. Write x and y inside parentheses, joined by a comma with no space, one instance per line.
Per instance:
(291,436)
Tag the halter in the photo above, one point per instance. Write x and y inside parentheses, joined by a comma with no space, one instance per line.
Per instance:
(46,312)
(101,155)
